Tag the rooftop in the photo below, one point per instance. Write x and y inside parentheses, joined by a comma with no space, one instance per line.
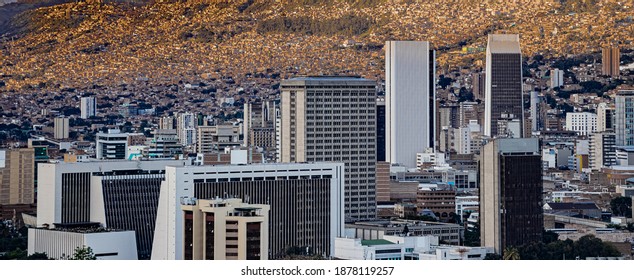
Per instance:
(327,80)
(374,242)
(504,43)
(572,206)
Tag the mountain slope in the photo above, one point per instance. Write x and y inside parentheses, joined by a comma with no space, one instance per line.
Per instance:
(86,43)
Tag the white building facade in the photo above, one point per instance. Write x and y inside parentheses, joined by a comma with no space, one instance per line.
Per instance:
(306,199)
(584,123)
(409,99)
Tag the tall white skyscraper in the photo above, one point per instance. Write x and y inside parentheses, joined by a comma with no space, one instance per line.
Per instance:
(503,96)
(409,100)
(88,107)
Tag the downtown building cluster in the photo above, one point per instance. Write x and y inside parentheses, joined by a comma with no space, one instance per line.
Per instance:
(336,168)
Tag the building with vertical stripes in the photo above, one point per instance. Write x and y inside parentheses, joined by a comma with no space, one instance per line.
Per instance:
(611,59)
(306,202)
(410,100)
(333,119)
(61,243)
(121,195)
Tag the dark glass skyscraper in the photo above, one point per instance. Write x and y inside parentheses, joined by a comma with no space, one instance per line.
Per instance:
(511,187)
(380,128)
(503,96)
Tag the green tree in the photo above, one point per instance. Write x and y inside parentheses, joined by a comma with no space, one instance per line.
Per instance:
(622,206)
(511,253)
(590,246)
(472,237)
(38,256)
(83,253)
(492,256)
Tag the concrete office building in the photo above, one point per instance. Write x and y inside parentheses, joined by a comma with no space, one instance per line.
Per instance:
(410,100)
(440,200)
(212,139)
(624,118)
(225,229)
(306,201)
(167,122)
(503,100)
(510,193)
(258,115)
(186,128)
(163,145)
(556,78)
(17,180)
(611,59)
(584,123)
(60,243)
(88,107)
(112,145)
(602,150)
(605,118)
(120,195)
(62,128)
(333,119)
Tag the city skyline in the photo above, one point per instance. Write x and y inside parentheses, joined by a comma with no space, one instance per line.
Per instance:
(303,130)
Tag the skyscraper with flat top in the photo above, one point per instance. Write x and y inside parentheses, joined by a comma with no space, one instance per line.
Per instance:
(510,193)
(333,119)
(503,96)
(409,100)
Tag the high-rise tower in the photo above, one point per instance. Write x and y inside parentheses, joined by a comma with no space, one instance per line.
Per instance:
(409,100)
(333,119)
(503,97)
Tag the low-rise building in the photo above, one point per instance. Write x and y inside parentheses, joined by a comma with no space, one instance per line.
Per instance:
(405,248)
(61,242)
(447,233)
(225,229)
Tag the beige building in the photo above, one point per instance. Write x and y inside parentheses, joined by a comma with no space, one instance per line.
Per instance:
(225,229)
(16,176)
(212,139)
(382,181)
(61,128)
(611,58)
(333,119)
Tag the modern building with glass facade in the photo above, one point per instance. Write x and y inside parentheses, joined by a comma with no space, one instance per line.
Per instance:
(510,193)
(503,92)
(624,117)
